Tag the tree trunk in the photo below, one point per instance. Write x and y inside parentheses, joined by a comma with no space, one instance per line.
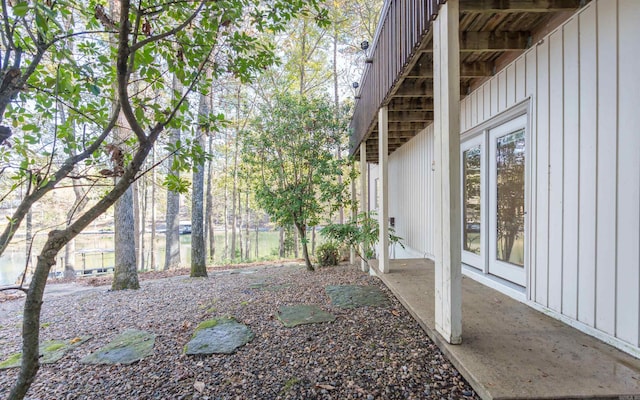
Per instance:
(136,223)
(198,258)
(240,222)
(172,233)
(336,104)
(225,254)
(209,206)
(125,275)
(143,223)
(56,240)
(246,224)
(301,229)
(234,193)
(296,239)
(28,239)
(281,253)
(257,232)
(152,246)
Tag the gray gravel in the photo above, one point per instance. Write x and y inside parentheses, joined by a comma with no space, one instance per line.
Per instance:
(367,353)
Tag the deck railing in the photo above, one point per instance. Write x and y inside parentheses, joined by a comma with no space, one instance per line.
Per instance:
(402,26)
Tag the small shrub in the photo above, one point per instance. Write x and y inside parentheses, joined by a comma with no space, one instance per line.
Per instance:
(327,254)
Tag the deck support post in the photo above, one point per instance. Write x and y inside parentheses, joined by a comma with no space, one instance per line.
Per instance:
(364,196)
(448,279)
(383,189)
(354,214)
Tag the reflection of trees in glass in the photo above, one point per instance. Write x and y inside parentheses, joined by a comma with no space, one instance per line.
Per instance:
(472,206)
(510,153)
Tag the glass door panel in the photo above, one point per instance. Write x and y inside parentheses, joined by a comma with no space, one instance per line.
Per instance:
(507,200)
(473,169)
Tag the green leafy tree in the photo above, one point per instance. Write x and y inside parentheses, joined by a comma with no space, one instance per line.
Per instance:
(291,150)
(152,40)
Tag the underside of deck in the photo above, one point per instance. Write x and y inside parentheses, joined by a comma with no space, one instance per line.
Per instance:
(511,351)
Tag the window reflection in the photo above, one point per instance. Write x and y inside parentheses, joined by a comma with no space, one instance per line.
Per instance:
(472,205)
(510,163)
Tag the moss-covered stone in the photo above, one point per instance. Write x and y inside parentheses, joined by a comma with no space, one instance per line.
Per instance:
(218,336)
(51,351)
(352,296)
(300,314)
(128,347)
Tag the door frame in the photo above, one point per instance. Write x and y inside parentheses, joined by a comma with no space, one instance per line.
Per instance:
(481,132)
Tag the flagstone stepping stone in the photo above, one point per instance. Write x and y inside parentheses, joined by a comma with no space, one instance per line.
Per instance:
(352,296)
(300,314)
(130,346)
(51,351)
(219,336)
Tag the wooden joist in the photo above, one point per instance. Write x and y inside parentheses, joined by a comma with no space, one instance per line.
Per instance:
(479,69)
(411,104)
(410,116)
(497,6)
(492,41)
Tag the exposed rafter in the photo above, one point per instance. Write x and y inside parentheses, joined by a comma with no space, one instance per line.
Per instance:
(496,6)
(410,116)
(479,69)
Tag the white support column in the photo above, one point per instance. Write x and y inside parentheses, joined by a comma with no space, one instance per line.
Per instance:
(383,189)
(448,280)
(354,213)
(364,196)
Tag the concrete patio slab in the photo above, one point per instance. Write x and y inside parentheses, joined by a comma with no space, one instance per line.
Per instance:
(511,351)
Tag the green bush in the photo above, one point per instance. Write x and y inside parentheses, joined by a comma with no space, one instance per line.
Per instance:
(327,254)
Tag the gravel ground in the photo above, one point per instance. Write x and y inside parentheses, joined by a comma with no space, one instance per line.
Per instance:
(367,353)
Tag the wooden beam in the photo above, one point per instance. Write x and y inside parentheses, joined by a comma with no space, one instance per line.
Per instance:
(501,6)
(494,41)
(410,116)
(411,104)
(415,88)
(479,69)
(405,126)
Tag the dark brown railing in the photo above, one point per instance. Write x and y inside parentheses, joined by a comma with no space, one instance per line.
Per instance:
(402,26)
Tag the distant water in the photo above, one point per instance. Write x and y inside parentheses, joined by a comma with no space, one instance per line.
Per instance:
(92,251)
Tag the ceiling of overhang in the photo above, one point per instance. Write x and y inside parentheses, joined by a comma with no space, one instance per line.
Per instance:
(492,33)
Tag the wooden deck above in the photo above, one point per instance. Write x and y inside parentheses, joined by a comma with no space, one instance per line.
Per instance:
(399,72)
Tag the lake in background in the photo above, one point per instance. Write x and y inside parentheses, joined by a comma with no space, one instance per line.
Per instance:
(96,251)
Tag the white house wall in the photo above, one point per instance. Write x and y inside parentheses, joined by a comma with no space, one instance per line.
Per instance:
(411,181)
(411,193)
(584,88)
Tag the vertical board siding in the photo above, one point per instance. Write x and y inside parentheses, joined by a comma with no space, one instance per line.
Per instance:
(411,192)
(541,171)
(588,167)
(585,174)
(628,297)
(571,165)
(606,211)
(556,139)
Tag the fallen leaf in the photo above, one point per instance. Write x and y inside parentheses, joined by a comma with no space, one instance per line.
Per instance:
(395,312)
(324,386)
(199,386)
(75,340)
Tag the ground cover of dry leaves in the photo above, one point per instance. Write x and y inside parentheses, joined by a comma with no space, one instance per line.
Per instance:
(367,353)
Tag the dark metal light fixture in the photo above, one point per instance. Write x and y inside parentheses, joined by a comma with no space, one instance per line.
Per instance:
(364,44)
(355,85)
